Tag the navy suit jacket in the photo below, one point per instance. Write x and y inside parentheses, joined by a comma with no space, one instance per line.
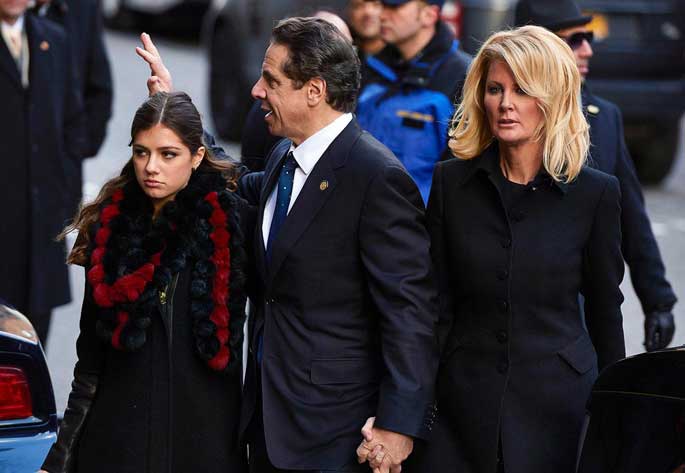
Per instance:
(608,153)
(347,307)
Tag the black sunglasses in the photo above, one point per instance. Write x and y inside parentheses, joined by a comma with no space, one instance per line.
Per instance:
(576,39)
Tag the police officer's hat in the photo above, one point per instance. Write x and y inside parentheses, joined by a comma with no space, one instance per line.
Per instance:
(554,15)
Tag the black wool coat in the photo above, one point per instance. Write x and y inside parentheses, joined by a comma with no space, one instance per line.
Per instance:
(517,361)
(160,408)
(41,146)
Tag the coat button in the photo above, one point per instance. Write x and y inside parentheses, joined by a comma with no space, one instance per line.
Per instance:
(502,367)
(502,274)
(503,306)
(502,336)
(518,216)
(34,148)
(506,243)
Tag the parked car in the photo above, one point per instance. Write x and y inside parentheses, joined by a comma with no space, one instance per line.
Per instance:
(28,420)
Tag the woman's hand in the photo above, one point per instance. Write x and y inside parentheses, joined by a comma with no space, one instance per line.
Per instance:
(160,78)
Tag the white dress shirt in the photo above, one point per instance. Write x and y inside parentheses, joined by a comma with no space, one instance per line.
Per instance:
(307,155)
(9,30)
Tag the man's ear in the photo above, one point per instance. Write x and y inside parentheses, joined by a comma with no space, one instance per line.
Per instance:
(430,15)
(316,91)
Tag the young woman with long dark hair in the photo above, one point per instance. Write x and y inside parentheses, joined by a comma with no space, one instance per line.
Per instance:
(157,383)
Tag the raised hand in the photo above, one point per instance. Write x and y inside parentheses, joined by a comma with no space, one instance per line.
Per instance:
(160,78)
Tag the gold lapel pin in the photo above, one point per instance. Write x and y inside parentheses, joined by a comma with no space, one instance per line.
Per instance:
(44,45)
(324,185)
(593,109)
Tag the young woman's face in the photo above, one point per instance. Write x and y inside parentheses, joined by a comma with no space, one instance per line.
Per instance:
(163,163)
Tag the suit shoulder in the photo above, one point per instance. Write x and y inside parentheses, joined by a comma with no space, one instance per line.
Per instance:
(370,154)
(53,31)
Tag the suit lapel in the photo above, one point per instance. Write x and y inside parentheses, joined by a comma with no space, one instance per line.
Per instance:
(8,65)
(318,188)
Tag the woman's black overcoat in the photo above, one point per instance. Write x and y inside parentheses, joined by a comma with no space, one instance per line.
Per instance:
(160,408)
(517,356)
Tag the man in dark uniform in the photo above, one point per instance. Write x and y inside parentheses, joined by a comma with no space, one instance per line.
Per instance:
(608,153)
(410,87)
(41,138)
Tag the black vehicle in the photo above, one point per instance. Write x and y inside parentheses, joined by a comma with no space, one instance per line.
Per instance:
(636,420)
(28,421)
(181,15)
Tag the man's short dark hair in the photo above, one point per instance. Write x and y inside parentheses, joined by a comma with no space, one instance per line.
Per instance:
(317,49)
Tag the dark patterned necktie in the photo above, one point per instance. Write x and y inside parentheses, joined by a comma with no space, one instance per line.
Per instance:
(284,192)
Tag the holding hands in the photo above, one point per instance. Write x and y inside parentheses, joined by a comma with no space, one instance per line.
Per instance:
(383,449)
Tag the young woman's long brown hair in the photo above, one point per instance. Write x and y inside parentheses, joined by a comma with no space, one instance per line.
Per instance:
(175,111)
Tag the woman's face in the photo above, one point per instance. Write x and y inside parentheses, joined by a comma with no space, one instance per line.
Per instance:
(513,115)
(163,163)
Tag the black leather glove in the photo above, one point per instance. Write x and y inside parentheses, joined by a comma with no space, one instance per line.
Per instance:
(659,329)
(61,458)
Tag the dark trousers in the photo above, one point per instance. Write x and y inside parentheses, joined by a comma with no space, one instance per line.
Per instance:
(259,458)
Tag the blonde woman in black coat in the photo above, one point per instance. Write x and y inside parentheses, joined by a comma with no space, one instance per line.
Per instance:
(520,228)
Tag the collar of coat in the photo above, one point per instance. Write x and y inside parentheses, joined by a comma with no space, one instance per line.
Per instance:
(487,163)
(198,229)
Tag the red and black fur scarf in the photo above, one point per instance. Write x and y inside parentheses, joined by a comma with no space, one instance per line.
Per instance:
(134,257)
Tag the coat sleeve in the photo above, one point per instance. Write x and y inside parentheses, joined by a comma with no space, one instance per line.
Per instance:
(97,83)
(395,253)
(90,351)
(640,248)
(434,219)
(602,276)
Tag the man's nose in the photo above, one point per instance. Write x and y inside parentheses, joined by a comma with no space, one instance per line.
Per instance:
(585,49)
(258,90)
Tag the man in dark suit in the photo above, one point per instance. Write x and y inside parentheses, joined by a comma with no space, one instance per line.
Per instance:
(608,153)
(41,137)
(344,329)
(346,306)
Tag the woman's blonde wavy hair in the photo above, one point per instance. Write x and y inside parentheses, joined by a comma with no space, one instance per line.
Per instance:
(544,67)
